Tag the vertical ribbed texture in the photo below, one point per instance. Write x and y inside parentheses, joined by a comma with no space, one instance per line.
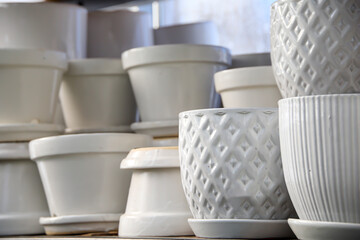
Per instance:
(320,149)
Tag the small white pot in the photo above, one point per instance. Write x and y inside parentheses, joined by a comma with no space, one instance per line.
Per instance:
(110,33)
(320,138)
(192,33)
(29,85)
(85,167)
(247,87)
(231,164)
(22,200)
(60,27)
(96,94)
(156,205)
(165,141)
(251,60)
(169,79)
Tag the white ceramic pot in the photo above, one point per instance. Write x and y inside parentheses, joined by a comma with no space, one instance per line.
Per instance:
(192,33)
(247,87)
(60,27)
(22,200)
(156,205)
(251,60)
(85,167)
(315,46)
(169,79)
(231,165)
(96,95)
(165,142)
(29,85)
(320,140)
(110,33)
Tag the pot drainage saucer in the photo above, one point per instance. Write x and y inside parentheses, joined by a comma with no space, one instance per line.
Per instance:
(80,224)
(169,128)
(240,228)
(28,131)
(305,229)
(118,129)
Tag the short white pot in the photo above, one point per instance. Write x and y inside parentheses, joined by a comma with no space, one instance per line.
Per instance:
(169,79)
(96,95)
(156,205)
(110,33)
(247,87)
(22,200)
(59,27)
(85,167)
(320,140)
(29,85)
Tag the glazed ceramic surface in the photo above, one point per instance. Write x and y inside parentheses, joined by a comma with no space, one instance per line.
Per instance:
(251,60)
(169,128)
(231,164)
(85,167)
(110,33)
(315,46)
(29,85)
(60,27)
(22,200)
(96,94)
(169,79)
(165,142)
(156,204)
(247,87)
(320,141)
(192,33)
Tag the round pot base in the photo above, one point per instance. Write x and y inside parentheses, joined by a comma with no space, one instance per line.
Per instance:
(21,223)
(168,128)
(119,129)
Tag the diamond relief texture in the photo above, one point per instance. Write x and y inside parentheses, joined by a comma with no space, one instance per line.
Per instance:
(315,46)
(240,160)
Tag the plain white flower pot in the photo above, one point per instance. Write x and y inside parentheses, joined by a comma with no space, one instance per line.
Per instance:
(191,33)
(231,165)
(29,85)
(156,204)
(85,167)
(110,33)
(22,200)
(247,87)
(320,139)
(59,27)
(96,95)
(174,78)
(165,141)
(315,47)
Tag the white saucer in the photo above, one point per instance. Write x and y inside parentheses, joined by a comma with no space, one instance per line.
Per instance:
(21,223)
(169,128)
(240,228)
(79,224)
(313,230)
(28,131)
(120,129)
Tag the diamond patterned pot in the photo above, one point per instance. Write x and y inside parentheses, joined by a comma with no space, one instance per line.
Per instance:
(315,46)
(231,164)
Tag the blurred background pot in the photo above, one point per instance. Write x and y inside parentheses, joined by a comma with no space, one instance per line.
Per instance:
(251,60)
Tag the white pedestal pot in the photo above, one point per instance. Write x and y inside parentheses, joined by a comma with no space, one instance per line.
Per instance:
(60,27)
(29,85)
(156,205)
(80,172)
(169,79)
(96,96)
(22,200)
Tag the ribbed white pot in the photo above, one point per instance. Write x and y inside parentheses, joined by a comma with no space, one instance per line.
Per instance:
(320,138)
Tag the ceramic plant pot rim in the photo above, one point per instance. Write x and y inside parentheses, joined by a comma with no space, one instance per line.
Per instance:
(327,96)
(73,219)
(222,111)
(175,53)
(86,143)
(95,66)
(32,57)
(108,12)
(152,157)
(185,24)
(244,78)
(14,151)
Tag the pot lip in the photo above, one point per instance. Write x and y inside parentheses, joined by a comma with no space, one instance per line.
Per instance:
(222,111)
(152,158)
(14,151)
(107,12)
(250,54)
(87,143)
(95,66)
(170,53)
(33,57)
(256,76)
(68,5)
(323,96)
(185,24)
